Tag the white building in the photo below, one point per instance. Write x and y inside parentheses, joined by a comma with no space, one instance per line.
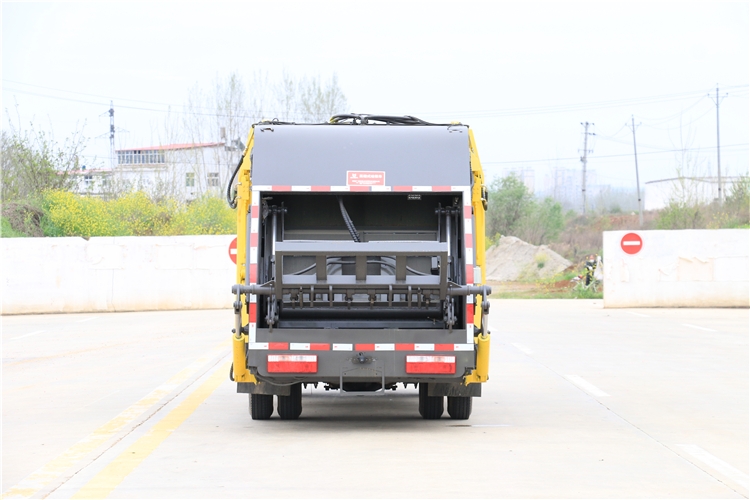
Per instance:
(180,171)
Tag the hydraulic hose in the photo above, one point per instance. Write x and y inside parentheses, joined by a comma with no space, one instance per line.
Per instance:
(233,201)
(348,220)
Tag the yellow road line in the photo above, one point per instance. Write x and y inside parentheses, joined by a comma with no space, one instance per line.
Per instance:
(53,469)
(101,485)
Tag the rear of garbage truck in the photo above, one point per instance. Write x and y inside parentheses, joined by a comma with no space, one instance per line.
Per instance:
(360,263)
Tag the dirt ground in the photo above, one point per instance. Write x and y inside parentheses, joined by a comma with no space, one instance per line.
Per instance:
(532,290)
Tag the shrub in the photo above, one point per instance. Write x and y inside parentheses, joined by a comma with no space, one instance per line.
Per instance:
(136,215)
(206,215)
(680,215)
(67,214)
(21,219)
(542,223)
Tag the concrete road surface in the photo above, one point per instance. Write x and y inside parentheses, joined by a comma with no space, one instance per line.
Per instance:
(582,402)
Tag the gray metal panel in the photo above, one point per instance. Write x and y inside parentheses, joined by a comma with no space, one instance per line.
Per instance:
(348,248)
(320,155)
(330,364)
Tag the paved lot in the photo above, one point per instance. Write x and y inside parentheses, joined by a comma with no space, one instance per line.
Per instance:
(582,402)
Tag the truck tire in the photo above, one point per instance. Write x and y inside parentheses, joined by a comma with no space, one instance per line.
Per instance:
(430,407)
(290,407)
(261,406)
(459,408)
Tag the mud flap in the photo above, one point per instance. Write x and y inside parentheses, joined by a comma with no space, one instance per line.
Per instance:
(454,390)
(263,388)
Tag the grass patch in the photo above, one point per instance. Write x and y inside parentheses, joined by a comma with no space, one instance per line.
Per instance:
(7,231)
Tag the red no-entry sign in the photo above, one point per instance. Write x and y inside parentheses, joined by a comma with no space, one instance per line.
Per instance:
(631,243)
(233,250)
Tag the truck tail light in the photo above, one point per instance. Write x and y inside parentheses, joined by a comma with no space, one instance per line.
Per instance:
(292,363)
(431,364)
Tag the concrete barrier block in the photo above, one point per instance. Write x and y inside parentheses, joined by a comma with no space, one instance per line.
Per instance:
(689,268)
(51,275)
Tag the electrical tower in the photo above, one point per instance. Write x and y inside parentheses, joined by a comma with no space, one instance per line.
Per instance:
(584,160)
(717,101)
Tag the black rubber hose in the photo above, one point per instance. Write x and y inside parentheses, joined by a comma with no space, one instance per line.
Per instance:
(233,201)
(355,119)
(347,220)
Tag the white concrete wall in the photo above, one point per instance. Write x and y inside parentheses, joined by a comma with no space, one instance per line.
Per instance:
(690,268)
(52,275)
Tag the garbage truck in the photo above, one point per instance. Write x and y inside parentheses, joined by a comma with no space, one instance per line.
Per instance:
(360,263)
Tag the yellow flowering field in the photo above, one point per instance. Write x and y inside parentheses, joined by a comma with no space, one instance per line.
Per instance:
(134,214)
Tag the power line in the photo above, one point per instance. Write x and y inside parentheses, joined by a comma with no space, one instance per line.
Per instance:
(84,93)
(476,113)
(140,108)
(614,156)
(581,106)
(675,115)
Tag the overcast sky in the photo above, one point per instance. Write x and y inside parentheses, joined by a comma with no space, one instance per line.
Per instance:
(523,75)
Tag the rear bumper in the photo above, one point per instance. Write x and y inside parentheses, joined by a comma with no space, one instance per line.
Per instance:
(389,355)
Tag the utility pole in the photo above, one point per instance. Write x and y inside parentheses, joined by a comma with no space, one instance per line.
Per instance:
(717,101)
(112,134)
(637,179)
(584,161)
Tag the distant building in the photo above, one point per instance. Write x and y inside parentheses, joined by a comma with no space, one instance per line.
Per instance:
(690,190)
(180,171)
(565,185)
(524,174)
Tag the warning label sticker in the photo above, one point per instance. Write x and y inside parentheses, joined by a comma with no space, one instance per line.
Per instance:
(363,178)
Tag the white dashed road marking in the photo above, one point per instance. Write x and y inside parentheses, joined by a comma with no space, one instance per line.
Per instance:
(586,386)
(523,349)
(717,464)
(27,335)
(699,327)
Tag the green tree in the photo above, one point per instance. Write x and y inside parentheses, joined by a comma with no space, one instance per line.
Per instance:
(543,223)
(32,162)
(510,201)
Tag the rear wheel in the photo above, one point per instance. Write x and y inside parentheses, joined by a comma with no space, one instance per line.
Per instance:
(459,408)
(261,406)
(430,407)
(290,407)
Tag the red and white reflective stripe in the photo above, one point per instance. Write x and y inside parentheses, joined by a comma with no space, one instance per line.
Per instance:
(426,189)
(431,364)
(292,363)
(322,346)
(296,346)
(252,271)
(469,253)
(468,237)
